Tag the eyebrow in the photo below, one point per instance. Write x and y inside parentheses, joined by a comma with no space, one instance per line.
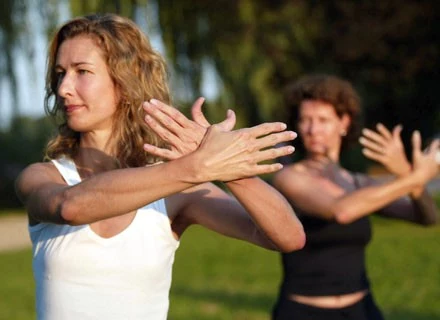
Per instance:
(75,64)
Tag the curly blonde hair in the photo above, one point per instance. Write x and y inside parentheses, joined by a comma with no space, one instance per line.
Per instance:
(139,74)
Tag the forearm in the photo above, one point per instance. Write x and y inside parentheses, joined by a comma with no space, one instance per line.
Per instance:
(120,191)
(426,209)
(270,211)
(364,201)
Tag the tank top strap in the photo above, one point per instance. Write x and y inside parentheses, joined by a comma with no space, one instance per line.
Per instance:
(68,171)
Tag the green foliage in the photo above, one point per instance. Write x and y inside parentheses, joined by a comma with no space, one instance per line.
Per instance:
(123,7)
(218,278)
(21,145)
(384,47)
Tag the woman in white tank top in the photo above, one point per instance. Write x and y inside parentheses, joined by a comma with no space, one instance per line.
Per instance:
(107,212)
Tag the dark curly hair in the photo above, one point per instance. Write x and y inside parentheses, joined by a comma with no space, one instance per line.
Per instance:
(330,89)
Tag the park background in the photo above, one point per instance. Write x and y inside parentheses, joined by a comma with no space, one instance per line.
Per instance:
(241,55)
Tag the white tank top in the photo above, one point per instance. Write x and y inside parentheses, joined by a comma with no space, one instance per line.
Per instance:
(80,275)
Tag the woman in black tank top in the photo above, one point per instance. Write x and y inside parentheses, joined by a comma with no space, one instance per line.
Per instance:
(327,279)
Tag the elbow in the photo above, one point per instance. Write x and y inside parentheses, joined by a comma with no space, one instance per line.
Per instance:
(68,211)
(297,242)
(432,221)
(68,214)
(343,216)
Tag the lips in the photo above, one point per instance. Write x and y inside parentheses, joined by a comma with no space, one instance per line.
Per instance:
(72,107)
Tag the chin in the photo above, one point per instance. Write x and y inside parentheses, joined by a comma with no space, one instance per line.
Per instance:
(78,127)
(316,150)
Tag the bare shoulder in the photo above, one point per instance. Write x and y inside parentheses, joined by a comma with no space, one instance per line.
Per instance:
(292,175)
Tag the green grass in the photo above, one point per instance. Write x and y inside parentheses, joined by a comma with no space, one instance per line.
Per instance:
(219,278)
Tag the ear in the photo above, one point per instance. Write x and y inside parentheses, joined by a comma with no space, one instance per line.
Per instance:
(345,123)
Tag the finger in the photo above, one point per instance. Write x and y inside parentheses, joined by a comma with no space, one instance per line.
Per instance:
(272,153)
(384,131)
(261,169)
(165,134)
(265,129)
(169,116)
(396,132)
(275,138)
(229,123)
(416,140)
(160,117)
(197,114)
(433,147)
(371,145)
(373,155)
(161,152)
(374,136)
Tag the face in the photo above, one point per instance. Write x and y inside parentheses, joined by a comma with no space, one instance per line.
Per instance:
(85,86)
(320,128)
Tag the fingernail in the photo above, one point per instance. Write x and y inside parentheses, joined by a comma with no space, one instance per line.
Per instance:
(154,101)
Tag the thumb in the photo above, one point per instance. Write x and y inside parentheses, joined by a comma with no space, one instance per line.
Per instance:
(396,131)
(229,123)
(416,140)
(197,114)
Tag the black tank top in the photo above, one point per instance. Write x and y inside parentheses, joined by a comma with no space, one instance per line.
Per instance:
(333,259)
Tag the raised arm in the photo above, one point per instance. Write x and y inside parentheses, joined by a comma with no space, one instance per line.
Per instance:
(222,155)
(323,199)
(387,148)
(48,198)
(259,214)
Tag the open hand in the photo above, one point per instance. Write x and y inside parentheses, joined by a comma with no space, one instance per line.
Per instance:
(181,134)
(230,155)
(386,148)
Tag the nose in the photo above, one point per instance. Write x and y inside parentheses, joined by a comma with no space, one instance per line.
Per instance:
(65,85)
(312,127)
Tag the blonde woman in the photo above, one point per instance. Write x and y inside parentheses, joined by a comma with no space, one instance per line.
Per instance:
(105,216)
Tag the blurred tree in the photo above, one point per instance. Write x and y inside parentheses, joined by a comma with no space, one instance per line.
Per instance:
(388,49)
(8,38)
(21,145)
(123,7)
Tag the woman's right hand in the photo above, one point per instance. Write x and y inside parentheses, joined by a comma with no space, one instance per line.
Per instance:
(220,152)
(230,155)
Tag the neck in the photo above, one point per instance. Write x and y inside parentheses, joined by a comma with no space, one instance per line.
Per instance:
(96,154)
(323,157)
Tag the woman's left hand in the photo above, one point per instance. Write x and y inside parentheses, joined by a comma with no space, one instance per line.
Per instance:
(386,148)
(181,134)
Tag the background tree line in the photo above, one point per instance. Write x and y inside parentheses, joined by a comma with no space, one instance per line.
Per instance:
(389,49)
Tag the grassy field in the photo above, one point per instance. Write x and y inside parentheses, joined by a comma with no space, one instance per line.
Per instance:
(219,278)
